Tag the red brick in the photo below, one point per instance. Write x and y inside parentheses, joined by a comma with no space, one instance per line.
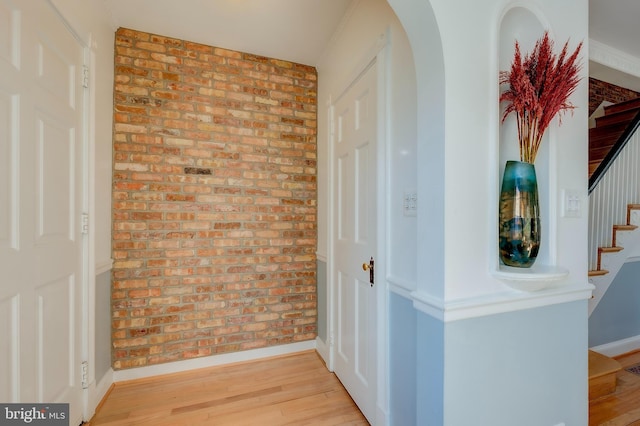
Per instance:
(231,253)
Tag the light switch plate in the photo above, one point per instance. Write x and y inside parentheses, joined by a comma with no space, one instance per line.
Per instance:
(571,203)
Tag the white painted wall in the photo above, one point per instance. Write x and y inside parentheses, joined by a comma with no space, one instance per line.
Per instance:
(481,344)
(473,56)
(368,25)
(462,47)
(616,316)
(634,255)
(510,369)
(364,25)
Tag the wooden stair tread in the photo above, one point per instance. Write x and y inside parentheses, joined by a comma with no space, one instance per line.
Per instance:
(598,272)
(598,154)
(625,227)
(609,129)
(602,375)
(617,117)
(598,135)
(622,106)
(610,249)
(601,365)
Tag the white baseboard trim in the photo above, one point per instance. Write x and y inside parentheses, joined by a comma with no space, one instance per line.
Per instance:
(382,416)
(211,361)
(619,347)
(102,267)
(323,350)
(96,393)
(103,387)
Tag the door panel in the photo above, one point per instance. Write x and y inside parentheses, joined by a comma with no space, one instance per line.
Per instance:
(55,311)
(345,337)
(344,203)
(56,71)
(8,171)
(9,33)
(355,239)
(41,202)
(362,351)
(362,194)
(55,166)
(9,350)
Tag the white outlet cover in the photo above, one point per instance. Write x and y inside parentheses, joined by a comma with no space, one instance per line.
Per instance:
(410,203)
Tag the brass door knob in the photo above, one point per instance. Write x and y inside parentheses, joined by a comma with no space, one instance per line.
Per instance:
(369,267)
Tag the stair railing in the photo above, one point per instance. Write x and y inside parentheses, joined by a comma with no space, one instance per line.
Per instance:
(622,141)
(613,186)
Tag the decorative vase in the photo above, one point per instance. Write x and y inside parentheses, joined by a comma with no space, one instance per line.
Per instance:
(519,226)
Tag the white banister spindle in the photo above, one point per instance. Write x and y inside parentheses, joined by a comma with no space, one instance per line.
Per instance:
(608,202)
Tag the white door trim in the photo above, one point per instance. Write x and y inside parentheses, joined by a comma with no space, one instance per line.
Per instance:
(88,207)
(379,54)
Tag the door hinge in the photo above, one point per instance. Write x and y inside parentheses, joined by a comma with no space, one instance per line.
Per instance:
(85,76)
(85,223)
(85,374)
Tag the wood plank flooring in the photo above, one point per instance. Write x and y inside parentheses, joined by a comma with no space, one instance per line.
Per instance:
(290,390)
(621,408)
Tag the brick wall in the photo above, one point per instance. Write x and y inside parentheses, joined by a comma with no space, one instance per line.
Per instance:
(214,201)
(600,91)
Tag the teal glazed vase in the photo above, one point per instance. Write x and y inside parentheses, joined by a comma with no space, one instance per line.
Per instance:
(519,226)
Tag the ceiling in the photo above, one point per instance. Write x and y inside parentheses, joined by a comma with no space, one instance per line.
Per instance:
(614,25)
(292,30)
(299,30)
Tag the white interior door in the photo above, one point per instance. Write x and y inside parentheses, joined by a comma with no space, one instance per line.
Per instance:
(41,200)
(355,121)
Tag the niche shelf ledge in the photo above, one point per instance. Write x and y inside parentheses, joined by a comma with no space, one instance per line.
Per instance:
(535,278)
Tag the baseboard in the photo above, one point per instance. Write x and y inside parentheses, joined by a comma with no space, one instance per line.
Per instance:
(97,394)
(102,267)
(618,347)
(323,350)
(211,361)
(103,386)
(382,417)
(634,258)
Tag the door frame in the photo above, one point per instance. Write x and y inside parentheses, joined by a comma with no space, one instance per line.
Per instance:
(378,54)
(87,174)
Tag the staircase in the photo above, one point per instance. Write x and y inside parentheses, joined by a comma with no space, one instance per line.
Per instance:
(614,210)
(609,128)
(614,215)
(611,258)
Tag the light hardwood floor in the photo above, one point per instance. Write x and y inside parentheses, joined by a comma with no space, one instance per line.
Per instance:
(621,408)
(290,390)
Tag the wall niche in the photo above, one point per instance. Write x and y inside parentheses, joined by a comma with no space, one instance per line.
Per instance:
(525,26)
